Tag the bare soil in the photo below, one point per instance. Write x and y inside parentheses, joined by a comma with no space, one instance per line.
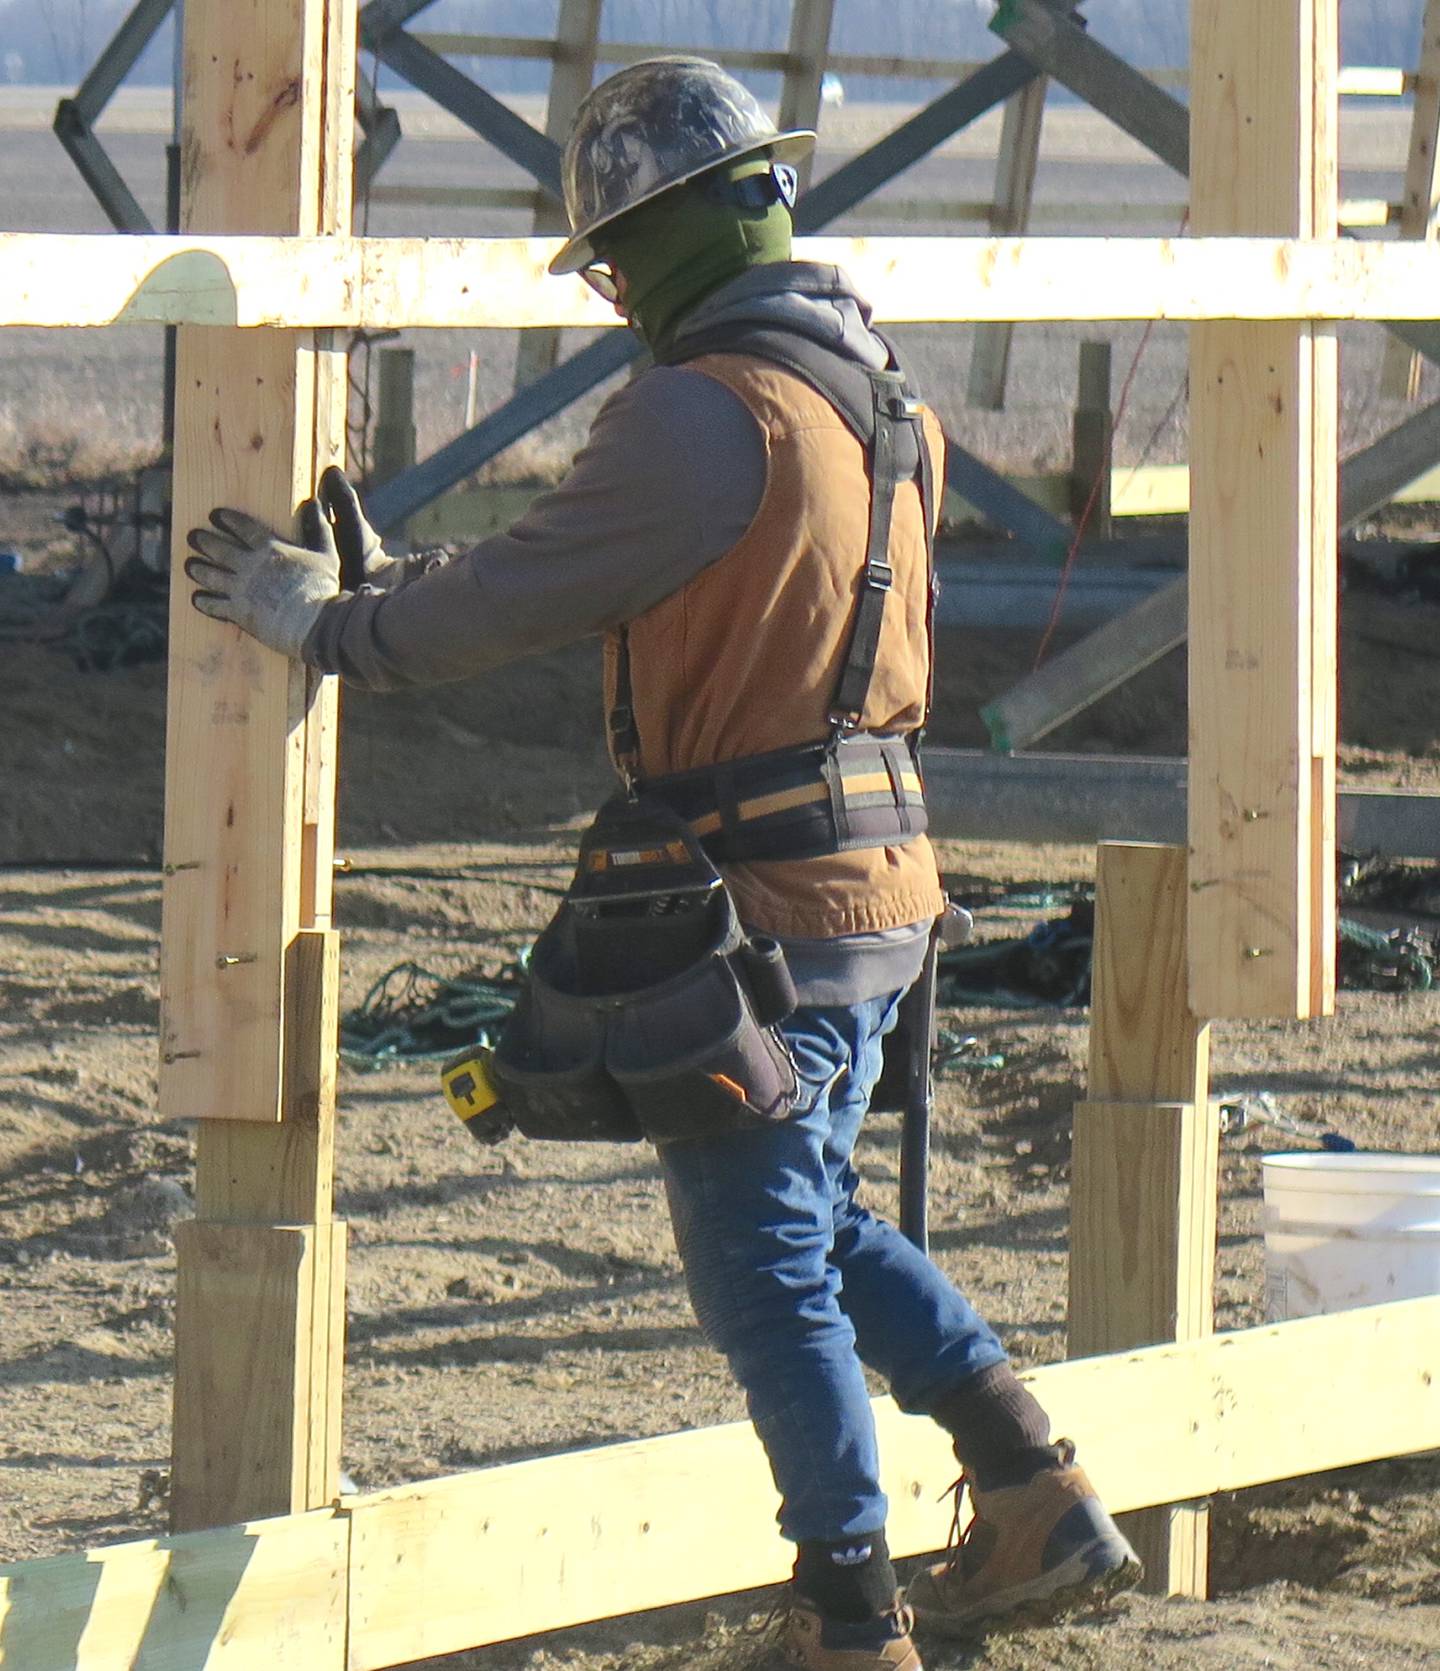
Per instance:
(510,1302)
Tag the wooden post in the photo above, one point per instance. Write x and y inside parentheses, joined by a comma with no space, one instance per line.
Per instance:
(1263,529)
(809,46)
(1144,1171)
(1009,215)
(1400,373)
(1092,444)
(577,34)
(249,962)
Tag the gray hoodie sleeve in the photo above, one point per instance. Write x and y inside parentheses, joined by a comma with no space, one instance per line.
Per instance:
(669,479)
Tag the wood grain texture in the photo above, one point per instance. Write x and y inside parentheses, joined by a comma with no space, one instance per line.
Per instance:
(249,965)
(1146,1045)
(244,1324)
(501,283)
(268,1596)
(461,1562)
(1145,1160)
(1263,529)
(247,842)
(1142,1239)
(481,1557)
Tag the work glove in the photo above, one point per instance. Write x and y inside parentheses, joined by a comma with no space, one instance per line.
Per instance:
(247,575)
(363,561)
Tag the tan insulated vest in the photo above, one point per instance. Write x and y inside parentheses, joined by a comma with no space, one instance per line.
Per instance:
(746,656)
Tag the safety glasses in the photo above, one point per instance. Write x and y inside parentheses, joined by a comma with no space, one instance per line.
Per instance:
(600,276)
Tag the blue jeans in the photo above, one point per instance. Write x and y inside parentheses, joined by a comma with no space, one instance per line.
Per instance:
(797,1285)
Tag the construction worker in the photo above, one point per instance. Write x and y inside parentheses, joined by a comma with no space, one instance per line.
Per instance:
(750,525)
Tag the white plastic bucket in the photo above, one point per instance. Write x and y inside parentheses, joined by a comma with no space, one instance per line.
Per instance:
(1349,1230)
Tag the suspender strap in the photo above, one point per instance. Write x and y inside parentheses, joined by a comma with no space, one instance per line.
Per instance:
(892,407)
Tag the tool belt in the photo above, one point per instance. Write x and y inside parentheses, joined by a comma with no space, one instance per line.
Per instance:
(648,1012)
(856,790)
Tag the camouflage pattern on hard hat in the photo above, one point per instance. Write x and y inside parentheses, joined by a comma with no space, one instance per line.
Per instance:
(654,125)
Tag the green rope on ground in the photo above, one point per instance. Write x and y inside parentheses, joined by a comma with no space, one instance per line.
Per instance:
(413,1014)
(1372,960)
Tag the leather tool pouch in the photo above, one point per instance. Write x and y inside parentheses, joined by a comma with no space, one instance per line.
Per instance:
(648,1011)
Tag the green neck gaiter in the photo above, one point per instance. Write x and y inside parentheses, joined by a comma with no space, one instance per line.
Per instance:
(676,249)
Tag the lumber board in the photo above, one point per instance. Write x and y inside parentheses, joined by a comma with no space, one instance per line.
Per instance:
(54,279)
(1138,1208)
(1145,1171)
(271,1593)
(254,1319)
(1263,529)
(1163,1424)
(477,1558)
(1084,672)
(249,962)
(1146,1044)
(1400,372)
(1262,672)
(247,843)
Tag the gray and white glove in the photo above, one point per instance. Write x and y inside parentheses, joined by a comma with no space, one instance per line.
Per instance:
(363,559)
(246,574)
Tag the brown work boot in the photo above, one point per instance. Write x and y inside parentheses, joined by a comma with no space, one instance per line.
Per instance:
(1031,1553)
(811,1643)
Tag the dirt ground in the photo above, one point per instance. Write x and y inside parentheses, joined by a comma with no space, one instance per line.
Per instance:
(505,1303)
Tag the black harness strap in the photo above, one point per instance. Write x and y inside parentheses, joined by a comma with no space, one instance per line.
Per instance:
(890,408)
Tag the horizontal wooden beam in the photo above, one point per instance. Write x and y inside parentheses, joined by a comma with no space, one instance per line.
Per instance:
(474,1559)
(478,1558)
(60,279)
(271,1594)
